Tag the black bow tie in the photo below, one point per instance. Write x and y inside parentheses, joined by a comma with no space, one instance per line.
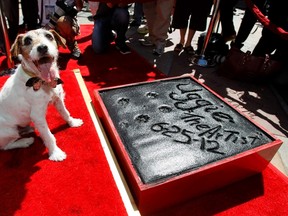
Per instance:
(36,83)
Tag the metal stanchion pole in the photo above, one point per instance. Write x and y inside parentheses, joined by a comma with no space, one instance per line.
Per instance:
(6,38)
(200,60)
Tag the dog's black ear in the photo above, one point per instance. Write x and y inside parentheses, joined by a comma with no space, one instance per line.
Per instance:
(59,39)
(16,46)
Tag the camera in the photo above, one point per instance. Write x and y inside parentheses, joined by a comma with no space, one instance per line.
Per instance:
(68,9)
(63,9)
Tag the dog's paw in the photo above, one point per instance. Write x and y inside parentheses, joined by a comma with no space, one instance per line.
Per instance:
(20,143)
(75,122)
(57,155)
(26,142)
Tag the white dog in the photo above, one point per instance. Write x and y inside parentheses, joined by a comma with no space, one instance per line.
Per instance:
(25,96)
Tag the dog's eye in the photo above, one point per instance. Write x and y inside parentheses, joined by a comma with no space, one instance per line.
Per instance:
(49,36)
(27,41)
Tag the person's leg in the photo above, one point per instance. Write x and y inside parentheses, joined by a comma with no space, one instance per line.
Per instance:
(150,13)
(162,24)
(266,44)
(182,36)
(188,46)
(197,22)
(226,18)
(11,11)
(68,28)
(247,24)
(191,33)
(120,22)
(30,13)
(180,45)
(101,35)
(181,15)
(163,19)
(138,14)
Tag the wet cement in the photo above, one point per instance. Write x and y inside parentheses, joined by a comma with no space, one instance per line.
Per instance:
(170,127)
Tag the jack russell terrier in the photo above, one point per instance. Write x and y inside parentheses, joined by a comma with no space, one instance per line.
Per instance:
(25,96)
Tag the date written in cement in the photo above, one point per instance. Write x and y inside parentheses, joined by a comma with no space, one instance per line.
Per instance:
(205,123)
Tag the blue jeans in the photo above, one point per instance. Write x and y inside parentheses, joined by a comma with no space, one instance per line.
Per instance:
(102,33)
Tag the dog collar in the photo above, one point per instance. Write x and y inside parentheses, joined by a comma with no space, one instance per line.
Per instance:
(36,82)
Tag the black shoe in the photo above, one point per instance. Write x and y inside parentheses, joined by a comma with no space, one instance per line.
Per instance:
(75,51)
(123,48)
(189,50)
(134,24)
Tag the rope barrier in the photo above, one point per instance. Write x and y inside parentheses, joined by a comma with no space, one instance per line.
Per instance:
(265,21)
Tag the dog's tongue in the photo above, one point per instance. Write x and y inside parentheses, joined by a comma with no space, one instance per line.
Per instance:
(45,67)
(45,71)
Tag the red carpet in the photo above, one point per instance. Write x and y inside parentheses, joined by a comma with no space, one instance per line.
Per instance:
(3,63)
(80,185)
(265,194)
(83,185)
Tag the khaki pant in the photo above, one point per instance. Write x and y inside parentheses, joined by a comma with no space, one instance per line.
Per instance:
(158,15)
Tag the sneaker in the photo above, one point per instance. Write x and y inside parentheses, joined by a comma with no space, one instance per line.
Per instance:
(143,30)
(159,50)
(123,48)
(146,42)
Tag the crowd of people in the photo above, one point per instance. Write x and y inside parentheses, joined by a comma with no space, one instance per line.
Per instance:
(63,20)
(187,17)
(112,20)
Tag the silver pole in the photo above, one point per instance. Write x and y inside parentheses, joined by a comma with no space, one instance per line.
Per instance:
(201,61)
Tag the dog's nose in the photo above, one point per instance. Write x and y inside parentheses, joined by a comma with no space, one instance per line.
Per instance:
(42,49)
